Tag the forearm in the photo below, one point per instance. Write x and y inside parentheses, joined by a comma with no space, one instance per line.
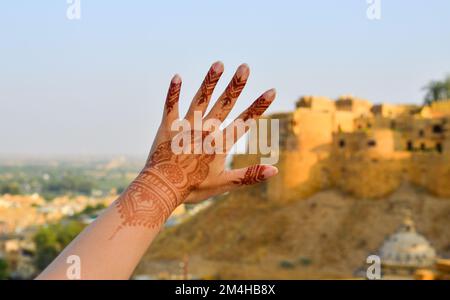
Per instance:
(112,246)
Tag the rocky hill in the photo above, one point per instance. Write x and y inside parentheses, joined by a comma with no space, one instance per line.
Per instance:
(328,235)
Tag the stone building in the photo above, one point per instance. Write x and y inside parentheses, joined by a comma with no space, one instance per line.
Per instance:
(364,149)
(405,252)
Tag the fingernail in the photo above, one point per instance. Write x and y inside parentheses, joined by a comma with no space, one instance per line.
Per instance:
(271,93)
(243,71)
(217,67)
(269,171)
(176,79)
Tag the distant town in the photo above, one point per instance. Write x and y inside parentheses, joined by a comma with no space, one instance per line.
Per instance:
(44,204)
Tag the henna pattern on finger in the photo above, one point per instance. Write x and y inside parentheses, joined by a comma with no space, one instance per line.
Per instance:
(254,174)
(233,90)
(173,96)
(165,182)
(208,85)
(257,108)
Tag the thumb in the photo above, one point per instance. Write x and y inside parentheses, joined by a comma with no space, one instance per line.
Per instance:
(250,175)
(231,180)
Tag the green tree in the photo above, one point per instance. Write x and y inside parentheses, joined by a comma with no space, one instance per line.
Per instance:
(52,239)
(4,269)
(68,184)
(437,90)
(90,209)
(12,188)
(47,247)
(66,233)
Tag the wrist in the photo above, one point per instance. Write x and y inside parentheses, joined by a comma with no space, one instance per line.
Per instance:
(148,201)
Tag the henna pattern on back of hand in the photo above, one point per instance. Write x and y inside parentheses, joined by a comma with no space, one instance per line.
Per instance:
(164,183)
(254,174)
(168,178)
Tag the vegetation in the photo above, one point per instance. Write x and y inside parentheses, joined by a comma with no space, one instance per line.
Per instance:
(12,188)
(67,184)
(90,210)
(4,269)
(437,90)
(65,178)
(286,264)
(51,240)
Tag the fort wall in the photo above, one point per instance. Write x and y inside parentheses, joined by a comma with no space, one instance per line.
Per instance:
(366,151)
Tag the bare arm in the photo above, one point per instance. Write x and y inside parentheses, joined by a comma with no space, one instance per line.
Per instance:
(112,246)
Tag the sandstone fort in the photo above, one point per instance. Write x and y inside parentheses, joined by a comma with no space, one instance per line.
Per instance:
(366,150)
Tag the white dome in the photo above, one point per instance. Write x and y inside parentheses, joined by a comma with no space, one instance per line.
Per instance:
(407,248)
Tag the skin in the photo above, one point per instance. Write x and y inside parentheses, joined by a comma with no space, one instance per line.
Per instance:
(112,246)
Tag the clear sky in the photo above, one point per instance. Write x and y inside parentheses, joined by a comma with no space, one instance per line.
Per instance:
(97,85)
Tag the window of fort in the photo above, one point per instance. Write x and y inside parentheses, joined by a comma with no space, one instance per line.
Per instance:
(371,143)
(439,147)
(393,124)
(421,133)
(341,143)
(409,146)
(423,147)
(369,125)
(437,129)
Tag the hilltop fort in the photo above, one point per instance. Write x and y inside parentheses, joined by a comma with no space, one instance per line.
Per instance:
(360,148)
(316,218)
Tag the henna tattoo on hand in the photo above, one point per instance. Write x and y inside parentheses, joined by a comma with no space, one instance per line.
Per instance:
(254,174)
(233,90)
(257,108)
(208,85)
(168,178)
(172,95)
(164,183)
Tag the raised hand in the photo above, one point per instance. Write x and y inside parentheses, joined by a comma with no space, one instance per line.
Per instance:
(170,178)
(112,246)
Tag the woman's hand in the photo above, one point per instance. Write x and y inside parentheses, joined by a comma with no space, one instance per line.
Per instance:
(112,246)
(170,178)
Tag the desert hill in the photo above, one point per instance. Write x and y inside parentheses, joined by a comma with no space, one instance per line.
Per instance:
(328,235)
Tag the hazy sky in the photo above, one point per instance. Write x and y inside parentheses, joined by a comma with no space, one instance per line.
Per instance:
(97,85)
